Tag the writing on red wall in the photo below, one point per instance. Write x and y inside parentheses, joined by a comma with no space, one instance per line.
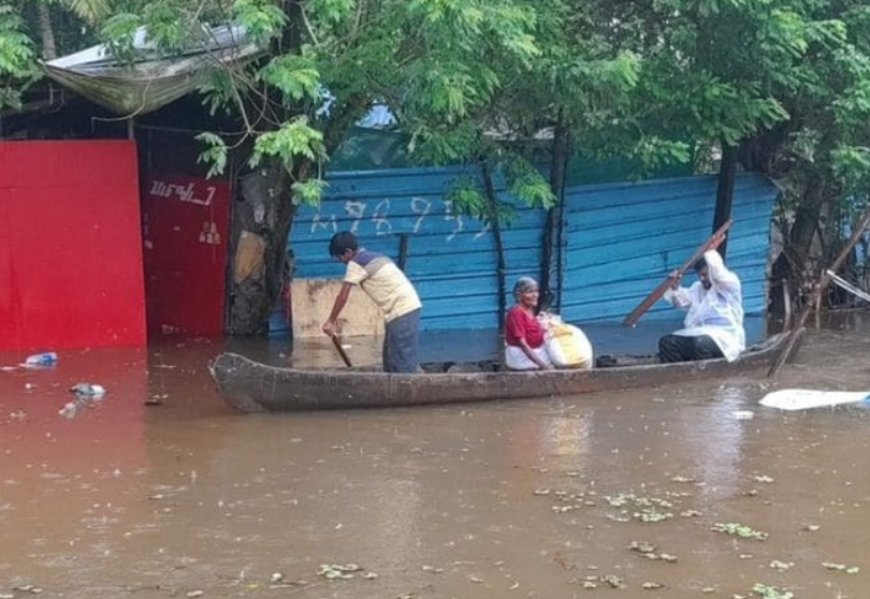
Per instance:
(185,221)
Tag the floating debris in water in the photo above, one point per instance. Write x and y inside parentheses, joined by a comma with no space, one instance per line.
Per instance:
(338,571)
(739,530)
(432,569)
(88,390)
(194,594)
(771,592)
(811,528)
(642,547)
(611,580)
(27,588)
(682,479)
(618,517)
(69,410)
(647,550)
(763,478)
(652,515)
(841,567)
(780,565)
(156,400)
(679,494)
(652,585)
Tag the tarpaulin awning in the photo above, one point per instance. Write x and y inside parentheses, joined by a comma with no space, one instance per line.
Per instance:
(153,79)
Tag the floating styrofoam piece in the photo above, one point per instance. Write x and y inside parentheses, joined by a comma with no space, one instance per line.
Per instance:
(807,399)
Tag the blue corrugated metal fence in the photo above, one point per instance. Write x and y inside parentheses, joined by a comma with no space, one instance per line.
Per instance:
(619,240)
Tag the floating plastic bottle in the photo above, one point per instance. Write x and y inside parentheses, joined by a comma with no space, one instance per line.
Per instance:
(43,360)
(88,390)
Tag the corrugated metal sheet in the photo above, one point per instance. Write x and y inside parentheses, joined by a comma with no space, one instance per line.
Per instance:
(623,239)
(620,240)
(451,258)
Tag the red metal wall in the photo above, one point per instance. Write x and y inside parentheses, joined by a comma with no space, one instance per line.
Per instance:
(186,236)
(70,245)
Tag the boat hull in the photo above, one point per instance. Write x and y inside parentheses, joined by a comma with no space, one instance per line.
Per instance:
(251,386)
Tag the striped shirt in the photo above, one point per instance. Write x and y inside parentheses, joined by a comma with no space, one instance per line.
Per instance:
(384,282)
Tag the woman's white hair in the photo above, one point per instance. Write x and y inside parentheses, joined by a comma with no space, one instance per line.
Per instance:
(524,285)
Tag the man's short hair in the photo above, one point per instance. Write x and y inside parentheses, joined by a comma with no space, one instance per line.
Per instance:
(701,263)
(342,242)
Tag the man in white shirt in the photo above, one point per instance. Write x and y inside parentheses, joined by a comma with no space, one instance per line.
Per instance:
(714,321)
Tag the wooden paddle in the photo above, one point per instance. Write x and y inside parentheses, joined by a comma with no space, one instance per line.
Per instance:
(824,280)
(336,341)
(659,291)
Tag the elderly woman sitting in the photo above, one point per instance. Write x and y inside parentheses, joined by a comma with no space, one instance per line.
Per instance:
(524,334)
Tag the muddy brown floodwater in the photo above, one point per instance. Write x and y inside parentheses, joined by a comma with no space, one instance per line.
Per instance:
(515,499)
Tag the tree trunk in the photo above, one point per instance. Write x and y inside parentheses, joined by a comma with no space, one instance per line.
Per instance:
(264,209)
(725,190)
(49,48)
(806,225)
(495,224)
(558,176)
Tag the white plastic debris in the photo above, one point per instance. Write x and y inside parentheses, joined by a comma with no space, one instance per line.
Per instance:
(88,390)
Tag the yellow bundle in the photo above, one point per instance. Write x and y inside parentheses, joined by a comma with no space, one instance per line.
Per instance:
(567,346)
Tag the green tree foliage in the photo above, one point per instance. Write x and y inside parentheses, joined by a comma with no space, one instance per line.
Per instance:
(17,58)
(787,82)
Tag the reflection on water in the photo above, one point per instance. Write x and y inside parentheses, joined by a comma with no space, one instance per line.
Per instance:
(160,490)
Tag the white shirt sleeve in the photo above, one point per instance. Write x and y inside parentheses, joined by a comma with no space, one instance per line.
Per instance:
(678,298)
(720,276)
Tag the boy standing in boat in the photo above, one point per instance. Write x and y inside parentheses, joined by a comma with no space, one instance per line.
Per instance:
(714,322)
(390,289)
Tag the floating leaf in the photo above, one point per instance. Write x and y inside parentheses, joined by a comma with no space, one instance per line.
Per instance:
(771,592)
(642,547)
(739,530)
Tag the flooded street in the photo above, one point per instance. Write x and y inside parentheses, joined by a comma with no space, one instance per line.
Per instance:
(515,499)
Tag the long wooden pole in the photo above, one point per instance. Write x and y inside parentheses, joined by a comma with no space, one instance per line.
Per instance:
(815,300)
(659,291)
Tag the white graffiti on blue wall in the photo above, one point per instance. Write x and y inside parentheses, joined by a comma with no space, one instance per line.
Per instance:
(386,217)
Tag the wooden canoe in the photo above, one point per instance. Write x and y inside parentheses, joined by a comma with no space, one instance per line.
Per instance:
(252,386)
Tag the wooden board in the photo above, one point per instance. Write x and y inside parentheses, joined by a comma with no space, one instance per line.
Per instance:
(312,301)
(807,399)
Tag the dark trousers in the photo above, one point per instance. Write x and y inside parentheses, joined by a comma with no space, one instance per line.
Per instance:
(400,343)
(677,348)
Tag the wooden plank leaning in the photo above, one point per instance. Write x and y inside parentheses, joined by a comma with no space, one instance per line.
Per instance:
(659,291)
(824,280)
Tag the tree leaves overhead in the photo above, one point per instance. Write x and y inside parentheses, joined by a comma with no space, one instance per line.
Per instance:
(657,81)
(17,59)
